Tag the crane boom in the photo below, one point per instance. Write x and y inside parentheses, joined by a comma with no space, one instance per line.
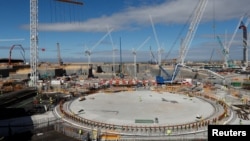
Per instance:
(145,41)
(71,1)
(134,52)
(152,56)
(192,29)
(235,31)
(224,52)
(157,41)
(101,39)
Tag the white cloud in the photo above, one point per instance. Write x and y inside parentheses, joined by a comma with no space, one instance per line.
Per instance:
(169,12)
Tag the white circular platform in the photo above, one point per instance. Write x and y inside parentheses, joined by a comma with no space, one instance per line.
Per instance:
(132,107)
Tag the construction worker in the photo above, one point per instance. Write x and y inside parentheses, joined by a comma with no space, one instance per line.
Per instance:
(80,131)
(169,132)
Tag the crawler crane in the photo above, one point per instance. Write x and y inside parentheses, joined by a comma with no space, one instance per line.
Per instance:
(197,15)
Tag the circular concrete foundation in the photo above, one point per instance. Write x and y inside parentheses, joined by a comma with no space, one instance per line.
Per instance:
(138,108)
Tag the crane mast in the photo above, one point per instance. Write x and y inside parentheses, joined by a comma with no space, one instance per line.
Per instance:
(34,38)
(33,41)
(60,62)
(245,49)
(192,29)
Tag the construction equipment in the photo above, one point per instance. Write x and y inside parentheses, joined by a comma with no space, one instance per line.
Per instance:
(211,56)
(71,1)
(121,73)
(185,44)
(60,62)
(192,30)
(88,52)
(169,79)
(245,50)
(227,46)
(33,42)
(228,63)
(152,56)
(23,54)
(157,41)
(113,52)
(134,53)
(34,38)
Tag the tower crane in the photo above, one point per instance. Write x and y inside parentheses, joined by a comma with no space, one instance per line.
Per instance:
(211,56)
(33,41)
(88,52)
(113,52)
(60,62)
(34,38)
(152,56)
(224,52)
(226,46)
(192,30)
(245,50)
(134,53)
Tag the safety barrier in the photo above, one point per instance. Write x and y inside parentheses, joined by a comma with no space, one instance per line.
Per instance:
(156,128)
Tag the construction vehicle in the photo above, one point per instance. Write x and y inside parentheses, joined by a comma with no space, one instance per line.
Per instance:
(169,79)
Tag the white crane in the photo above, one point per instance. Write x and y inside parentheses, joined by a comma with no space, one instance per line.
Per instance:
(88,52)
(224,52)
(160,50)
(134,53)
(34,38)
(228,45)
(33,41)
(192,30)
(60,62)
(113,53)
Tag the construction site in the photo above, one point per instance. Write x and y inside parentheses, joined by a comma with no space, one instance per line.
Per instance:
(166,100)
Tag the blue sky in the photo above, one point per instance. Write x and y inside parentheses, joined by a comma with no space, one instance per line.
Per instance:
(79,28)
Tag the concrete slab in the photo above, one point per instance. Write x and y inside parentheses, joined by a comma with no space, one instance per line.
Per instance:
(124,108)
